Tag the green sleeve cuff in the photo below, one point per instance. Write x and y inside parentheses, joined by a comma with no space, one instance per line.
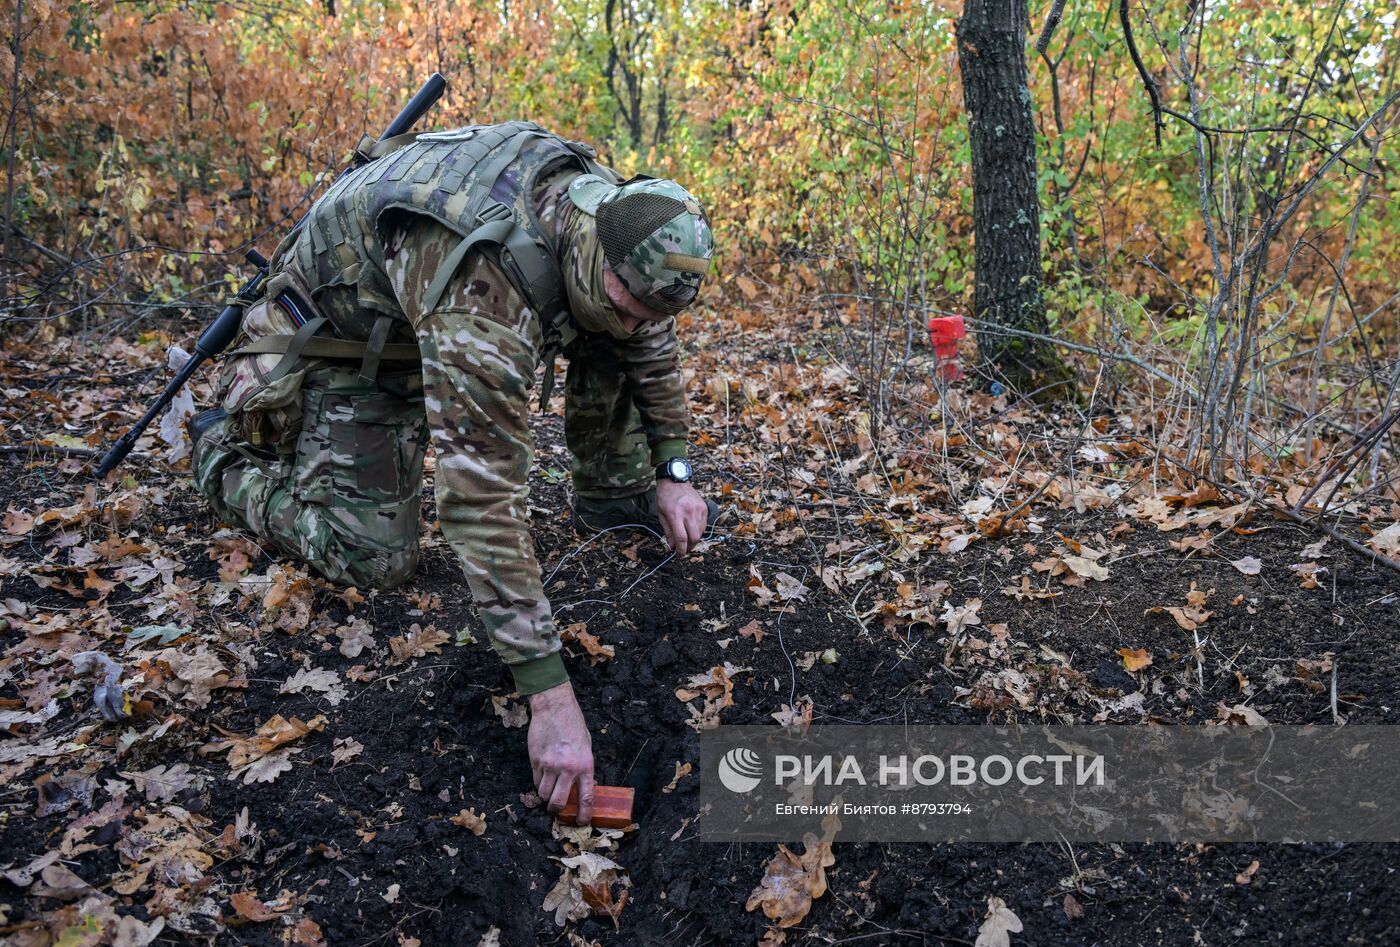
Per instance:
(539,674)
(663,451)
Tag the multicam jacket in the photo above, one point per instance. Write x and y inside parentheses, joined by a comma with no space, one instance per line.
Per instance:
(479,331)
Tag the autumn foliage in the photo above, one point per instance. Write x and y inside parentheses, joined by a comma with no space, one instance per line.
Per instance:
(155,140)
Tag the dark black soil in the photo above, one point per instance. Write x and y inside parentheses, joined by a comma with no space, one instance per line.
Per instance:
(342,835)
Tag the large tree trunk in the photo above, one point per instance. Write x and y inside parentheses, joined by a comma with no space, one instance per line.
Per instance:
(1006,213)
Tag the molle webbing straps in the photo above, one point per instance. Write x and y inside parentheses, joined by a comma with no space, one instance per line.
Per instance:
(537,272)
(292,357)
(321,347)
(493,226)
(548,355)
(370,148)
(558,332)
(374,349)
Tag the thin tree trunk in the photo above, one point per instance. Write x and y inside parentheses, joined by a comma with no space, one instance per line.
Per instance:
(11,133)
(1006,213)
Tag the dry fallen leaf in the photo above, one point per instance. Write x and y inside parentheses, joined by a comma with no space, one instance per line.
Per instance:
(265,769)
(717,688)
(998,926)
(756,585)
(512,715)
(1240,714)
(470,820)
(1315,550)
(24,877)
(1086,568)
(272,734)
(346,749)
(1135,659)
(133,932)
(419,642)
(62,883)
(797,718)
(754,630)
(1386,542)
(682,771)
(585,887)
(1027,591)
(1189,616)
(288,597)
(1248,565)
(307,933)
(789,588)
(597,651)
(251,908)
(321,680)
(959,619)
(792,882)
(1308,573)
(17,522)
(161,784)
(355,637)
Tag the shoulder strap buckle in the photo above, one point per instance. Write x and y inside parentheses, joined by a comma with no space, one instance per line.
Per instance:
(494,211)
(369,148)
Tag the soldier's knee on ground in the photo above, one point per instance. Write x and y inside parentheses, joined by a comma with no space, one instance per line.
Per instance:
(208,456)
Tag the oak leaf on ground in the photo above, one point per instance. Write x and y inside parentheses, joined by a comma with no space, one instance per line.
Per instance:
(792,882)
(418,642)
(597,651)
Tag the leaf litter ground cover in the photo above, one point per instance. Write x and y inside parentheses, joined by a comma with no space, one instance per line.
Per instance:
(307,765)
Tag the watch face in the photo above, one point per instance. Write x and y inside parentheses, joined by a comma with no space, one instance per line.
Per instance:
(678,469)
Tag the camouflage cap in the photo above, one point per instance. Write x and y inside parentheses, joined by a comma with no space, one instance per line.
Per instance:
(655,237)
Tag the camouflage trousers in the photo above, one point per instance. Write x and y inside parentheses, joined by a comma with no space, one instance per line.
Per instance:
(602,427)
(347,500)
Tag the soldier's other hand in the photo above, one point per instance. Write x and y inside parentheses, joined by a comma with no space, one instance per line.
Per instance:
(683,514)
(561,750)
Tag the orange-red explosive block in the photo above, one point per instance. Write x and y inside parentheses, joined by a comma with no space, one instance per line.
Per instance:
(612,807)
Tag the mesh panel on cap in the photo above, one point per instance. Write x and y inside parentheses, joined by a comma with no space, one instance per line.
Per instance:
(627,221)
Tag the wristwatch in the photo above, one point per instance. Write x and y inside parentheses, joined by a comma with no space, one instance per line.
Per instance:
(677,469)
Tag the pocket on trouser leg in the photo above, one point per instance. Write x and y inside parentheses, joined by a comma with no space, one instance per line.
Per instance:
(234,485)
(361,447)
(360,460)
(210,456)
(378,550)
(370,549)
(245,495)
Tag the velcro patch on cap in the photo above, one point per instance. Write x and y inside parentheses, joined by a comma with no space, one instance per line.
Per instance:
(686,264)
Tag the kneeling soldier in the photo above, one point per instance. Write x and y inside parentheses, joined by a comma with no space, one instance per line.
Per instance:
(416,301)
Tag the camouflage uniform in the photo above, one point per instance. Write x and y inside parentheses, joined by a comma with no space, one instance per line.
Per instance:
(343,494)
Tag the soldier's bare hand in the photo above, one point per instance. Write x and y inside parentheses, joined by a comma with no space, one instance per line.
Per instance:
(561,750)
(683,514)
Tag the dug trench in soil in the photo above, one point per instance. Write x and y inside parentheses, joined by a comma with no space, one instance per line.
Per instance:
(369,844)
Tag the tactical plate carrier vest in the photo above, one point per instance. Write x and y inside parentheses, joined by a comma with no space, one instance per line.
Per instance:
(477,181)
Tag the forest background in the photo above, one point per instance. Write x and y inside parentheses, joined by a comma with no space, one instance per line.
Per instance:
(1218,214)
(155,142)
